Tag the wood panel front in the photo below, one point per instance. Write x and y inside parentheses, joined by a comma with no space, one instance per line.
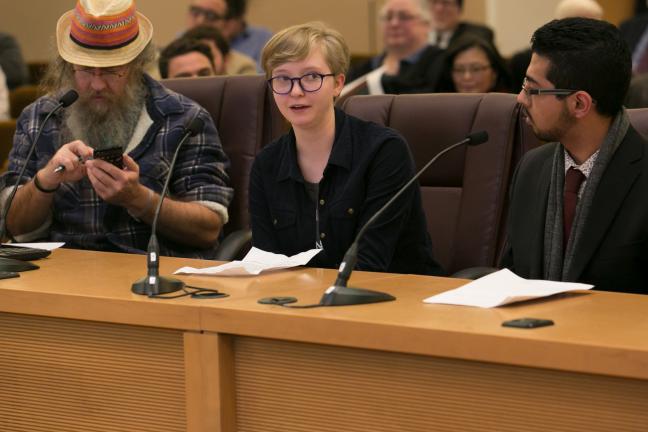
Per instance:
(60,375)
(295,387)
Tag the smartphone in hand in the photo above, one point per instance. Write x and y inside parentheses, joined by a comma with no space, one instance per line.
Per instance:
(113,155)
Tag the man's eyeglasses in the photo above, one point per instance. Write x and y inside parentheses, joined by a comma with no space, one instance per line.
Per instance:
(310,82)
(107,74)
(209,15)
(399,16)
(539,91)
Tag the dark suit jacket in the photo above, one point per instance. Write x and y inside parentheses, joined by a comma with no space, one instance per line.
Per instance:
(12,63)
(613,251)
(632,30)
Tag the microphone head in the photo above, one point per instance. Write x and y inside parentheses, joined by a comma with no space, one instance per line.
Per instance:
(195,126)
(68,98)
(477,138)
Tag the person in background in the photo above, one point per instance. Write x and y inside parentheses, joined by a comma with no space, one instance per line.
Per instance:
(409,64)
(12,63)
(186,58)
(213,13)
(95,205)
(227,61)
(519,61)
(4,97)
(244,38)
(316,186)
(473,65)
(578,209)
(447,26)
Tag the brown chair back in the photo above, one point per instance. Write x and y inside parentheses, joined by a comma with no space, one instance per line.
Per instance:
(246,117)
(22,96)
(464,193)
(7,130)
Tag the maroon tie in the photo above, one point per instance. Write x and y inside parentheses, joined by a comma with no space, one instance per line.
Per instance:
(573,180)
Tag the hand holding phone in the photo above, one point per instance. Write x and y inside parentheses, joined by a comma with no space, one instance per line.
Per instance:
(112,155)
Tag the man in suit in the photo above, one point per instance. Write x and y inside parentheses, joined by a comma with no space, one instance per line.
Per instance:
(447,26)
(578,208)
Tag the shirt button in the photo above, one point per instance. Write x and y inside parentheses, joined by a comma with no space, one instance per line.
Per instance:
(322,202)
(350,211)
(322,235)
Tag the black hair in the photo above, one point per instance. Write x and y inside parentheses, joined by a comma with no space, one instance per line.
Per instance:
(211,33)
(589,55)
(179,47)
(463,43)
(236,8)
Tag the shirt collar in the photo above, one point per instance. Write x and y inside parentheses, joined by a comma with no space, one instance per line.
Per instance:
(585,167)
(340,153)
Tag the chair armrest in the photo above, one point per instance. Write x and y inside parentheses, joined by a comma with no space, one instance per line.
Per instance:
(474,272)
(234,245)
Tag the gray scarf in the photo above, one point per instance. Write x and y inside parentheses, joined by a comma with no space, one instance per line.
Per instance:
(557,265)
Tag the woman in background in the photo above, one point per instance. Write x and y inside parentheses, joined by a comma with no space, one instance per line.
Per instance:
(473,65)
(316,186)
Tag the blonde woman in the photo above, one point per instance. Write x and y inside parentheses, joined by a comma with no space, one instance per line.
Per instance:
(316,186)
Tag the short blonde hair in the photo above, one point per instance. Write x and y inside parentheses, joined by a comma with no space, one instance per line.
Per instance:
(295,43)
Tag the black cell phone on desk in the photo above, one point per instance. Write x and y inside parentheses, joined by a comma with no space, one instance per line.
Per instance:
(114,155)
(8,274)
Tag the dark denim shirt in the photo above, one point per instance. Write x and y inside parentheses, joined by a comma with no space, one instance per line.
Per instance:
(83,220)
(367,166)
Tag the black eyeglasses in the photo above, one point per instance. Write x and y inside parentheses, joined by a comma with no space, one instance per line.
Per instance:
(539,91)
(310,82)
(209,15)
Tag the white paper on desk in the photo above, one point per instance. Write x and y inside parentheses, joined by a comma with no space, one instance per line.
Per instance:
(253,263)
(502,287)
(46,246)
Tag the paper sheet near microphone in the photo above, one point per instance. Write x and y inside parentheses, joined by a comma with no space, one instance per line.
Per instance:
(503,287)
(255,262)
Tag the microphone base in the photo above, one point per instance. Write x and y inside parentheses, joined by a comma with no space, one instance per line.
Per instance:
(338,295)
(166,285)
(14,265)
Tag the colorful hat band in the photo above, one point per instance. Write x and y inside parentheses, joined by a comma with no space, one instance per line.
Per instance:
(105,32)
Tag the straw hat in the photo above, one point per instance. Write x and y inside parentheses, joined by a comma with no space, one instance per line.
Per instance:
(102,33)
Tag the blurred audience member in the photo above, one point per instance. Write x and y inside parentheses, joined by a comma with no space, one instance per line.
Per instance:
(409,64)
(212,13)
(12,63)
(447,27)
(565,9)
(244,38)
(4,97)
(473,65)
(186,58)
(226,60)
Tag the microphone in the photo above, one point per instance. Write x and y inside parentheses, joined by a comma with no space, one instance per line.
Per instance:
(339,294)
(7,264)
(153,284)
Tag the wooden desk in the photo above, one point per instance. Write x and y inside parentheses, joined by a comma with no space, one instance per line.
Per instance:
(79,352)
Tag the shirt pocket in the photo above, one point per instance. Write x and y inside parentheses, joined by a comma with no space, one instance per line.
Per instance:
(343,218)
(283,219)
(153,175)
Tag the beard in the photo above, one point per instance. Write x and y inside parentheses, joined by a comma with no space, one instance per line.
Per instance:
(558,130)
(106,123)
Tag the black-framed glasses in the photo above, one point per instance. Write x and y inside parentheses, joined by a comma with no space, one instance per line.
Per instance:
(540,91)
(209,15)
(310,82)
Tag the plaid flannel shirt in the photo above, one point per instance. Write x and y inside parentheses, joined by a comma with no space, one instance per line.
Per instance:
(81,219)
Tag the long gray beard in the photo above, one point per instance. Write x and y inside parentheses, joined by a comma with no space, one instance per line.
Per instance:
(112,127)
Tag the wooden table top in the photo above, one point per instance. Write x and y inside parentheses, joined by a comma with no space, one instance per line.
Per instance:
(594,332)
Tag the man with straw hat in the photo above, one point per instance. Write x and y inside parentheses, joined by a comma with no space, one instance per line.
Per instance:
(104,47)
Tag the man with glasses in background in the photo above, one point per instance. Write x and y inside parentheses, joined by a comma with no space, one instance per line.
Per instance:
(578,209)
(409,64)
(447,26)
(215,13)
(68,194)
